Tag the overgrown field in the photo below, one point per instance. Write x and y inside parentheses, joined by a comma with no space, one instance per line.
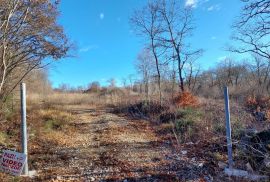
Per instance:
(70,131)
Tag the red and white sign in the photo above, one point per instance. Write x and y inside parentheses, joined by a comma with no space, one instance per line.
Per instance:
(12,162)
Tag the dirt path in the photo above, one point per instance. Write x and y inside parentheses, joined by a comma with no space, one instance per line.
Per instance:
(107,147)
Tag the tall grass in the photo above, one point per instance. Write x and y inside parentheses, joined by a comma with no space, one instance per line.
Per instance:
(56,99)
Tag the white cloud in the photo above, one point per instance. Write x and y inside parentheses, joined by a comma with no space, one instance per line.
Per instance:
(222,58)
(191,3)
(214,8)
(195,3)
(210,8)
(88,48)
(101,16)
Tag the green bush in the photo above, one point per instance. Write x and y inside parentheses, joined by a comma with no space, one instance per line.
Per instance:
(185,129)
(189,113)
(186,123)
(183,125)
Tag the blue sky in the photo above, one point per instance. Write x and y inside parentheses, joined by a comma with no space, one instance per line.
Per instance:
(106,47)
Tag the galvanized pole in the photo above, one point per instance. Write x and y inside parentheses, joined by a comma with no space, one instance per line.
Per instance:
(228,127)
(24,127)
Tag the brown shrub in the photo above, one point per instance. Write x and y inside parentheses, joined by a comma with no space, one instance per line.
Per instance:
(186,99)
(258,103)
(251,102)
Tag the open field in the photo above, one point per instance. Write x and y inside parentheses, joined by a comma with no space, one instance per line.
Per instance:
(76,141)
(129,90)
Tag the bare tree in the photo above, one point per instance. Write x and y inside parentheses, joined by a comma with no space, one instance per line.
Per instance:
(131,81)
(64,87)
(112,83)
(178,25)
(260,73)
(252,29)
(94,87)
(29,32)
(191,73)
(227,73)
(144,65)
(124,82)
(146,23)
(38,82)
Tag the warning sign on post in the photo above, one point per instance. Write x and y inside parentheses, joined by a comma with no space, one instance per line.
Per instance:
(12,162)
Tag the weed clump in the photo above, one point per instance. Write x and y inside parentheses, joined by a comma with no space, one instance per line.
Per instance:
(186,125)
(54,124)
(54,119)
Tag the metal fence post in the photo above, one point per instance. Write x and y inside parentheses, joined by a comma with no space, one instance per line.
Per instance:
(24,126)
(228,127)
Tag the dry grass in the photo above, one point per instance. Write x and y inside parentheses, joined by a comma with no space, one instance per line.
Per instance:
(54,120)
(54,126)
(53,114)
(63,99)
(60,138)
(3,138)
(141,135)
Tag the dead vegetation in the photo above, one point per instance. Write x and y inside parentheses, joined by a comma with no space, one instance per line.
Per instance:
(202,123)
(158,128)
(133,140)
(186,99)
(130,138)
